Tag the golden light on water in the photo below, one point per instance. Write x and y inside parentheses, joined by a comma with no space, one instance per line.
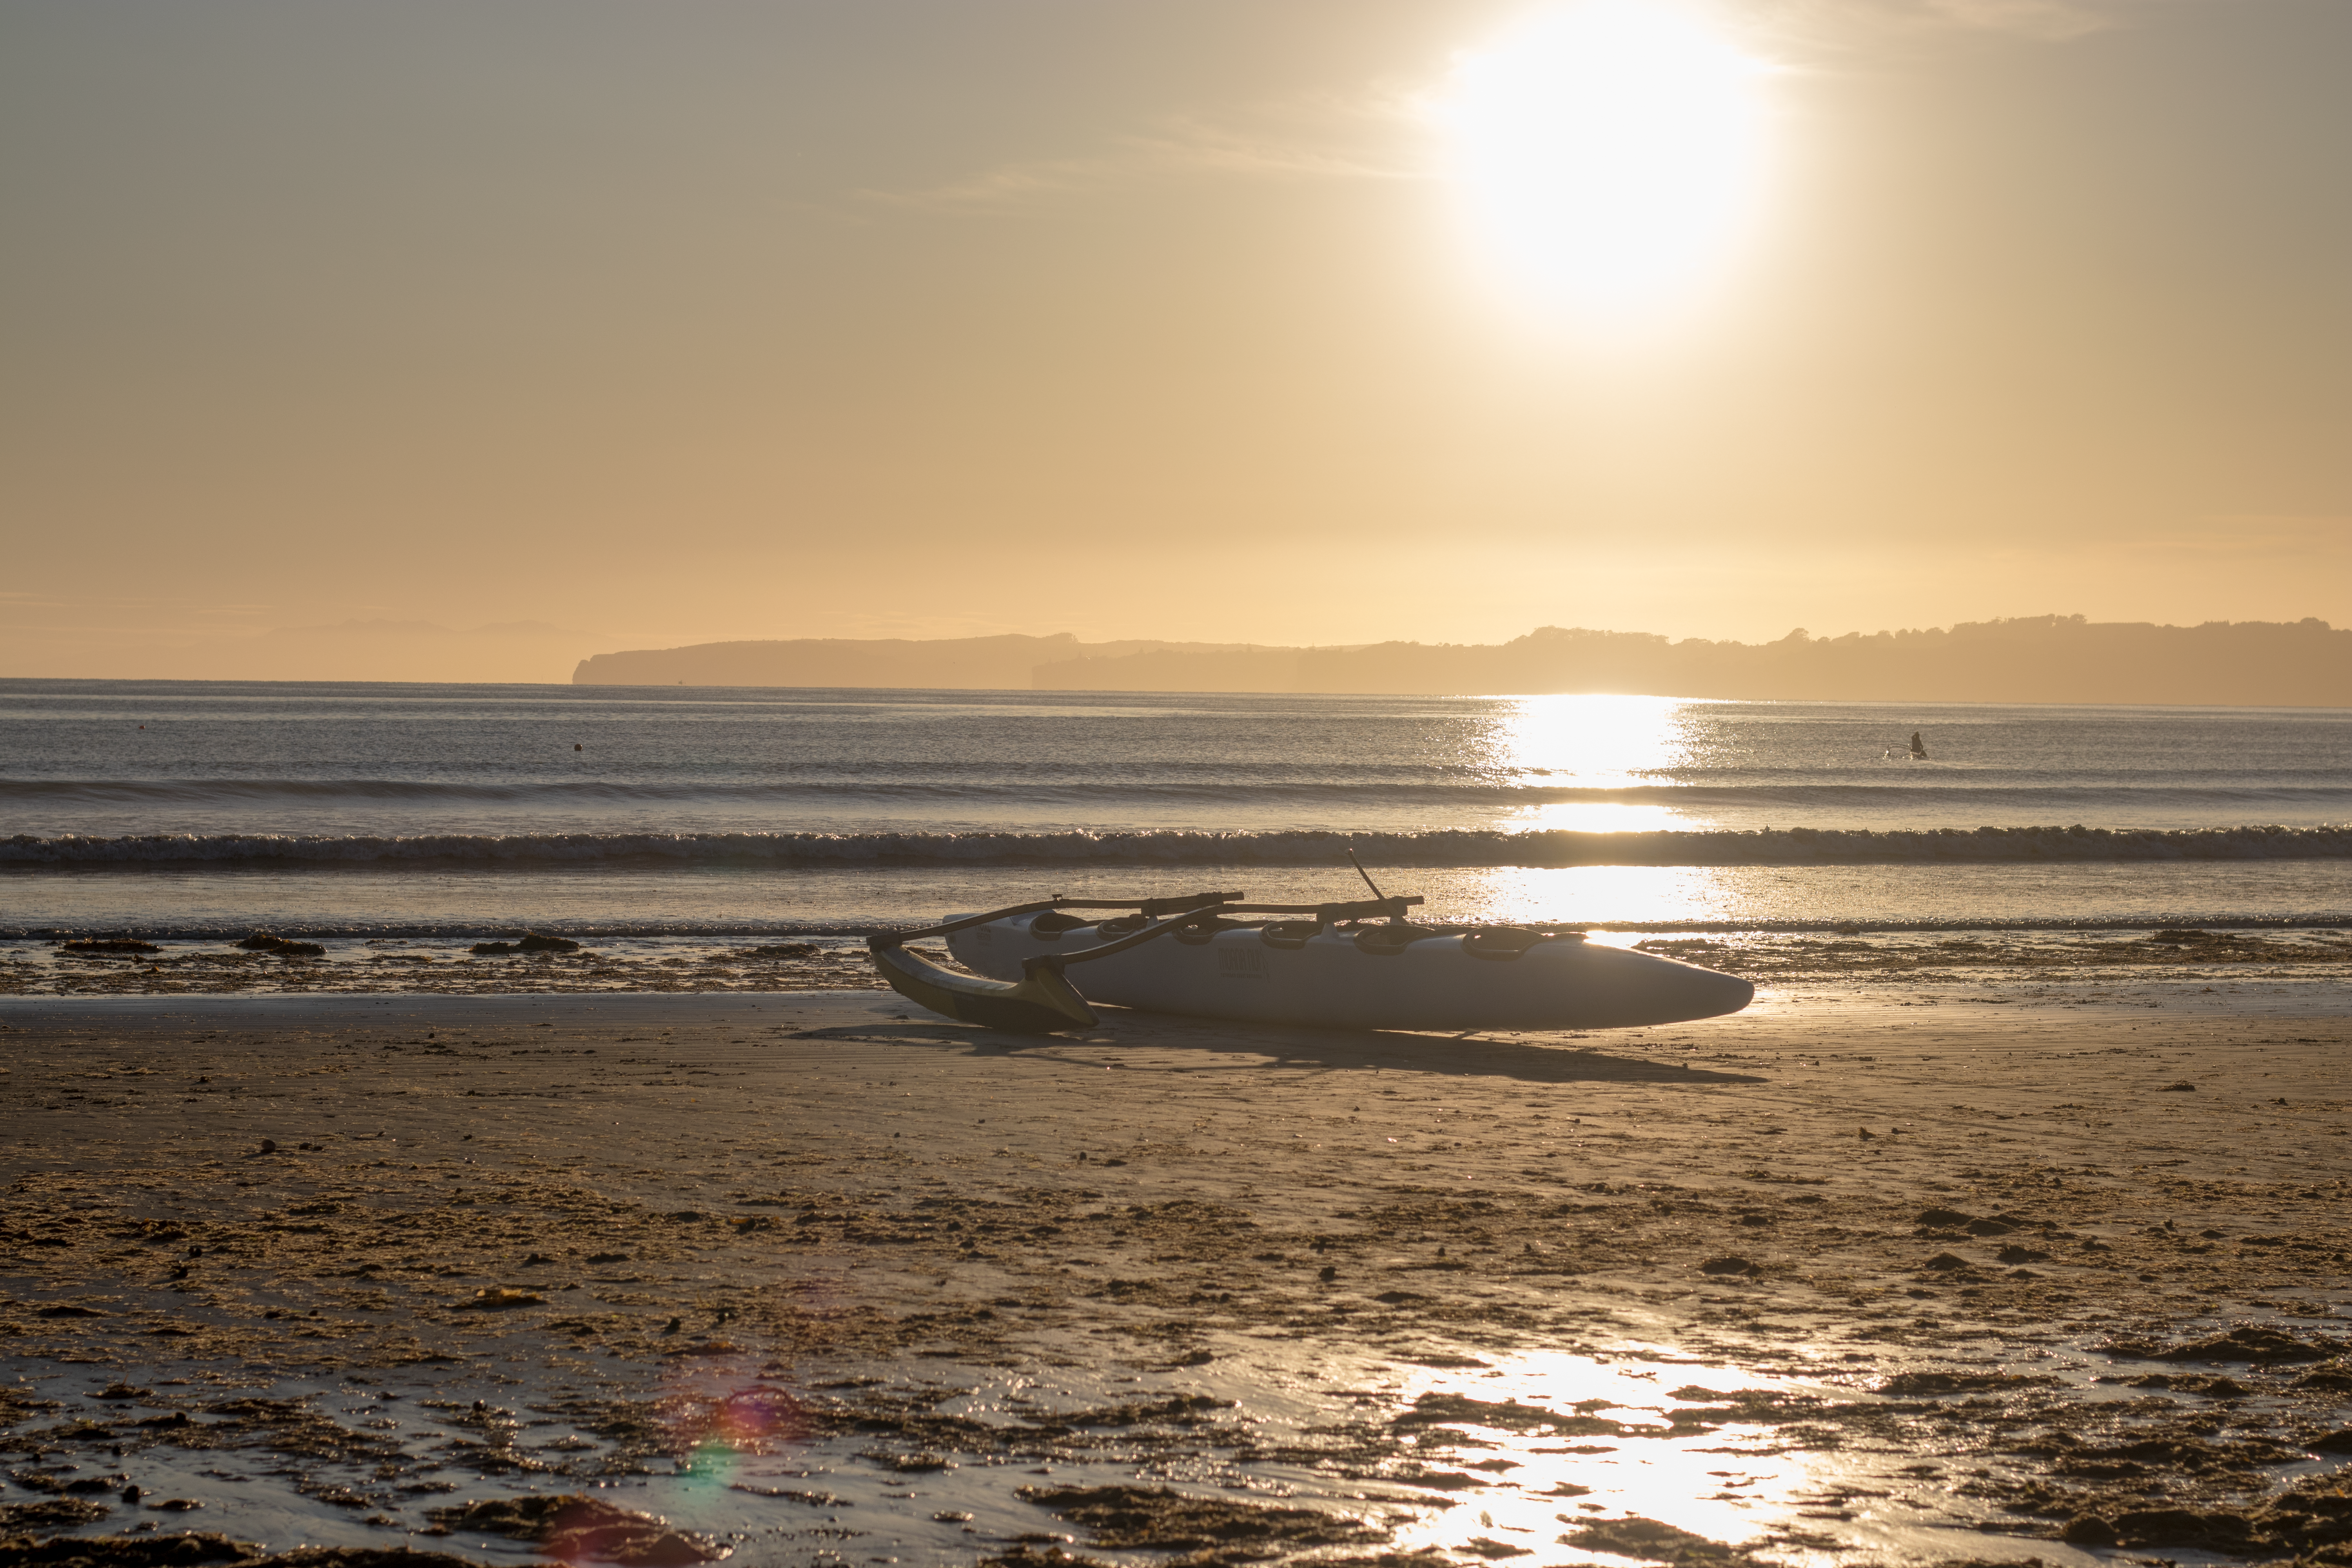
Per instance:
(1595,743)
(1606,153)
(1716,1477)
(1593,816)
(1632,895)
(1602,742)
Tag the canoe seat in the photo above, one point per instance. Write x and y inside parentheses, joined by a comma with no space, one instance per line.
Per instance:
(1388,940)
(1050,925)
(1502,943)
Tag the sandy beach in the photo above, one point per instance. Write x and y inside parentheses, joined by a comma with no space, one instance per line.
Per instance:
(811,1276)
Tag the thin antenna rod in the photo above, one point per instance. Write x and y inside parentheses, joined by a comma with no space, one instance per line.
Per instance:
(1366,876)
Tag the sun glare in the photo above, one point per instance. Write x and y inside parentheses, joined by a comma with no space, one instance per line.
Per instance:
(1606,153)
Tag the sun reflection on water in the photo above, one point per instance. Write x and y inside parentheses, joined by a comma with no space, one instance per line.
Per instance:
(1574,1441)
(1596,745)
(1596,741)
(1593,816)
(1630,894)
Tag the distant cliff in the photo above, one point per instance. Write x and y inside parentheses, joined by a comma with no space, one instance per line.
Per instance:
(2042,658)
(998,663)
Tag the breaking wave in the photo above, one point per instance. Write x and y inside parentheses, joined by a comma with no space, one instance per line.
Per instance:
(1441,849)
(1364,787)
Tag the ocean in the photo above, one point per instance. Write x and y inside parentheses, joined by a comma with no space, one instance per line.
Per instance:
(199,810)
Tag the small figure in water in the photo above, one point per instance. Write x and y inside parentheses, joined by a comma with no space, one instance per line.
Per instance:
(1917,750)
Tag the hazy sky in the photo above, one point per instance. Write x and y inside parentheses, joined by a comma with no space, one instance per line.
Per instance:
(1285,321)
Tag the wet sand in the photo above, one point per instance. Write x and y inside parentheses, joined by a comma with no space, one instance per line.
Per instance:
(816,1278)
(2024,960)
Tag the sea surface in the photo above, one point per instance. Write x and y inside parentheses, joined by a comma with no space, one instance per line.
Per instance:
(197,810)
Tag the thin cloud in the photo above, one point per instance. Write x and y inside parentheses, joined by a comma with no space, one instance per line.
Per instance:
(129,603)
(2260,535)
(2049,21)
(1182,150)
(2054,20)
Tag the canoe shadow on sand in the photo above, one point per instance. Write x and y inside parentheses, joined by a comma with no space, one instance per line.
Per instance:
(1560,1059)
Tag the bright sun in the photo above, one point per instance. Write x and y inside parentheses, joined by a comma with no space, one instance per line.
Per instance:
(1606,152)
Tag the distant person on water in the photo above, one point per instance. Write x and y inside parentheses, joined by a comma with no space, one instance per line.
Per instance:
(1917,750)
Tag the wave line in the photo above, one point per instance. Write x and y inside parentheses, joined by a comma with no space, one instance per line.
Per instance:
(1438,848)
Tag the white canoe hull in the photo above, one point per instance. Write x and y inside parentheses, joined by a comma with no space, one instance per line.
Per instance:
(1435,983)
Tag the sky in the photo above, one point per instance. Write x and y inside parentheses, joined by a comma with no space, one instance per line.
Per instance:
(1304,322)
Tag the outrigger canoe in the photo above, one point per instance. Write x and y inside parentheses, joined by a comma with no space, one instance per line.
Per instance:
(1351,965)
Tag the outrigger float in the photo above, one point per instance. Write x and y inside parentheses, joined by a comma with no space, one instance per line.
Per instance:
(1361,965)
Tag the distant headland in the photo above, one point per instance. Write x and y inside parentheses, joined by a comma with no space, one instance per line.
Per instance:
(2038,658)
